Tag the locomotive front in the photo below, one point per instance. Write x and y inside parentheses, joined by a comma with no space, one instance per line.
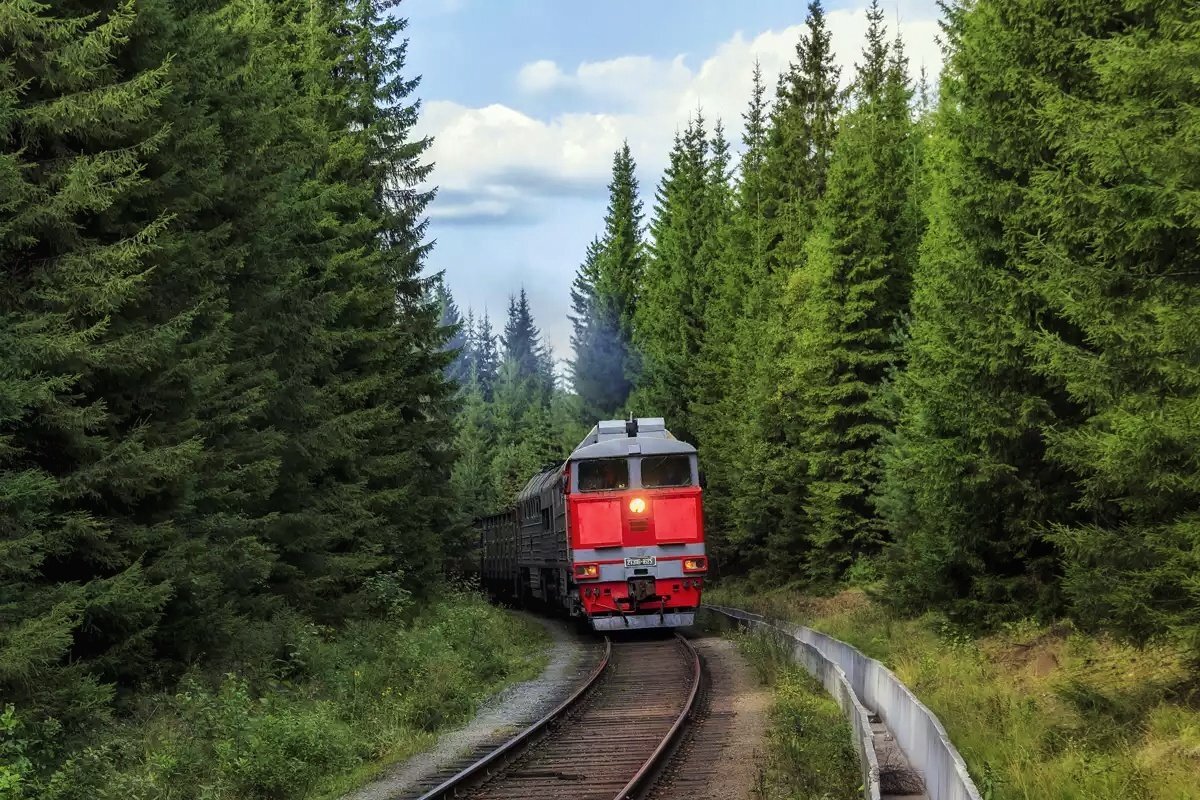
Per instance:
(635,526)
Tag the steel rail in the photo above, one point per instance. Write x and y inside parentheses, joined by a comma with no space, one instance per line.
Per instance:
(642,780)
(450,786)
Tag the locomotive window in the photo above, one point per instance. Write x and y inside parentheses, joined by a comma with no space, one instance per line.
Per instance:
(660,471)
(603,474)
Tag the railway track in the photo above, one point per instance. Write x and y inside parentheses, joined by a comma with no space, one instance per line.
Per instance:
(608,741)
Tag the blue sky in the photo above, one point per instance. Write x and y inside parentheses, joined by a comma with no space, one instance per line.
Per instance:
(527,99)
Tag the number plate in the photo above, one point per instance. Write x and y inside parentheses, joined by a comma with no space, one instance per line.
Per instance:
(641,561)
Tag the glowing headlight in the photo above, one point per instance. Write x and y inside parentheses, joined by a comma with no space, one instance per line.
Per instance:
(637,505)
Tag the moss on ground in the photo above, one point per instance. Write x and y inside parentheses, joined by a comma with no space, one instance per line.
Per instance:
(1037,712)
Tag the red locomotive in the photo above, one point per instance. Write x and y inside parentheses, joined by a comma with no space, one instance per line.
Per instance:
(615,534)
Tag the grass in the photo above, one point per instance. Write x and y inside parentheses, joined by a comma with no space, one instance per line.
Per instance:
(1037,712)
(342,707)
(809,754)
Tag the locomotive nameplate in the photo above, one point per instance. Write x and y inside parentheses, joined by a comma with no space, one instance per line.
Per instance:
(641,561)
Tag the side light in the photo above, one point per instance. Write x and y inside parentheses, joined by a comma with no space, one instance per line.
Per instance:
(637,505)
(587,572)
(695,564)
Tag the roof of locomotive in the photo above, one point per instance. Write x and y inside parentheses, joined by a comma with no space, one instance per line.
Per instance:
(612,438)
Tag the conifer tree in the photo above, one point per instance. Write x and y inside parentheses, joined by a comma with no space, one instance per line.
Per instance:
(366,412)
(522,340)
(668,324)
(1112,250)
(969,489)
(86,477)
(485,357)
(603,370)
(474,445)
(850,298)
(800,141)
(458,335)
(727,351)
(223,173)
(598,369)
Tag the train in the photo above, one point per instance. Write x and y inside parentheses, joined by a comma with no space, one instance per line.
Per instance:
(613,536)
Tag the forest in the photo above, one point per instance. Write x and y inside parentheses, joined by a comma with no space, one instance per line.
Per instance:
(944,342)
(938,337)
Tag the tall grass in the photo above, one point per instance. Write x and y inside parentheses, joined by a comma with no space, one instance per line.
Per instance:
(1036,712)
(809,754)
(340,706)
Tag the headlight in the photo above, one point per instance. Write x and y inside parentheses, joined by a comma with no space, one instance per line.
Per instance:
(637,505)
(695,564)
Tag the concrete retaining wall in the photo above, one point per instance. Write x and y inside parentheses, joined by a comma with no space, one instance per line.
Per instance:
(862,685)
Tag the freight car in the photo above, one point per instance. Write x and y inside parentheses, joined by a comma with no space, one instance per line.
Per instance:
(614,535)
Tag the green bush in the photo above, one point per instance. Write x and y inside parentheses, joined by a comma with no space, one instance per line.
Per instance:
(810,752)
(14,764)
(286,750)
(308,712)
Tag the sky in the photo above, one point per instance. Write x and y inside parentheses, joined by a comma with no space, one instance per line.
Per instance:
(526,101)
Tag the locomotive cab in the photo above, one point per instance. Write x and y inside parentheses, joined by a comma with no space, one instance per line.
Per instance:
(635,526)
(614,535)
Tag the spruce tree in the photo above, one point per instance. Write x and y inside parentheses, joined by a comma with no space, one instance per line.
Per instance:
(366,411)
(89,477)
(969,490)
(850,298)
(522,340)
(598,369)
(458,335)
(474,446)
(728,350)
(485,357)
(668,324)
(1111,248)
(800,141)
(607,285)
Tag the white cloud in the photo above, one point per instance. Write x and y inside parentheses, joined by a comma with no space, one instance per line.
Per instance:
(492,158)
(540,76)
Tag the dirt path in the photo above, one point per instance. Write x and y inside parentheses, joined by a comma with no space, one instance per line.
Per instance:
(513,709)
(721,758)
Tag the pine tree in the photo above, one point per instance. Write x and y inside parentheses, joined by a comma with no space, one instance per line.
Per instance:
(607,285)
(1112,250)
(850,298)
(727,351)
(968,488)
(800,141)
(88,474)
(458,334)
(669,322)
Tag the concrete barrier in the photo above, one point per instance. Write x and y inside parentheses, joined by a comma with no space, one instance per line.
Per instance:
(872,687)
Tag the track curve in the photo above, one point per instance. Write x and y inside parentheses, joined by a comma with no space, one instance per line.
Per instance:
(606,742)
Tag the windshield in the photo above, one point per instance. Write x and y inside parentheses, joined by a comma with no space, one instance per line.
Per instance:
(658,471)
(603,474)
